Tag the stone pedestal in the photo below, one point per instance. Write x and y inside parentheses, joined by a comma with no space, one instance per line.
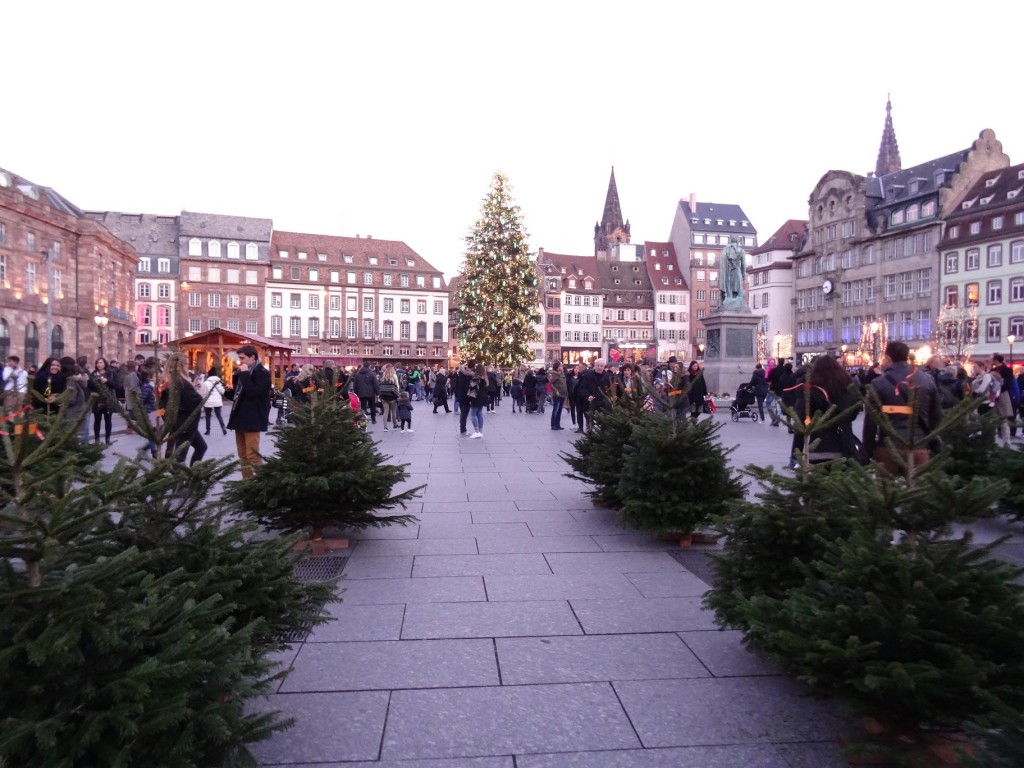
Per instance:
(731,349)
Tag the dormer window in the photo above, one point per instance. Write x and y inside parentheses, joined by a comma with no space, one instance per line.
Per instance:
(664,281)
(657,267)
(615,267)
(991,182)
(572,282)
(732,222)
(617,281)
(588,284)
(636,269)
(670,266)
(987,200)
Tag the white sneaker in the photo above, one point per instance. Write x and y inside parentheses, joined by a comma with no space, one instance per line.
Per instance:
(385,429)
(477,434)
(410,429)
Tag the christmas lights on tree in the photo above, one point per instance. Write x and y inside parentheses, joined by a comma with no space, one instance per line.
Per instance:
(499,299)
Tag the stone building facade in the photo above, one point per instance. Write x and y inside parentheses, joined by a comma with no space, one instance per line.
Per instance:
(59,272)
(770,285)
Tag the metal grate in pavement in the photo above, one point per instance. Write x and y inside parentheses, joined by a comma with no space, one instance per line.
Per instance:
(320,568)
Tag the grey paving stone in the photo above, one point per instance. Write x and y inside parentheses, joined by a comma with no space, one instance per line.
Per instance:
(619,562)
(479,565)
(435,493)
(812,755)
(403,547)
(461,531)
(454,620)
(380,665)
(740,756)
(594,512)
(438,515)
(391,532)
(455,762)
(570,528)
(563,500)
(328,726)
(505,720)
(468,507)
(666,614)
(517,515)
(722,652)
(495,545)
(663,584)
(594,658)
(372,567)
(668,713)
(629,542)
(441,589)
(482,495)
(562,586)
(359,622)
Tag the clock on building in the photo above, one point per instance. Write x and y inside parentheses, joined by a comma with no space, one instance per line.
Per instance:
(828,287)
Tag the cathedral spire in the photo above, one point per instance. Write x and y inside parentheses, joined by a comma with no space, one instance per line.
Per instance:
(611,229)
(888,151)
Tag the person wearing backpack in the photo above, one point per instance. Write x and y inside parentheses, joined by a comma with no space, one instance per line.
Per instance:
(910,401)
(1008,400)
(985,387)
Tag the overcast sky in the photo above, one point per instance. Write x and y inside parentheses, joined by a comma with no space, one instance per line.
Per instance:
(390,118)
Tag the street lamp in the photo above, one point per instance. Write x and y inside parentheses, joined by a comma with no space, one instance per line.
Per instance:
(843,348)
(101,323)
(778,346)
(700,351)
(1010,339)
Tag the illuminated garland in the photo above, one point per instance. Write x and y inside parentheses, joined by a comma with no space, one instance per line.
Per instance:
(498,302)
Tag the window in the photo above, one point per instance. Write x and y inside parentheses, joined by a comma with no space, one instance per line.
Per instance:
(295,327)
(335,276)
(295,273)
(350,327)
(145,264)
(145,312)
(252,302)
(1017,289)
(368,304)
(234,276)
(232,325)
(971,295)
(314,327)
(163,265)
(213,300)
(950,296)
(144,291)
(389,305)
(995,255)
(213,275)
(389,329)
(438,307)
(405,306)
(233,252)
(251,252)
(350,277)
(194,325)
(994,290)
(973,259)
(367,278)
(387,278)
(367,329)
(952,262)
(975,227)
(421,281)
(906,284)
(277,272)
(335,327)
(405,329)
(334,303)
(890,287)
(295,300)
(276,300)
(438,332)
(234,301)
(211,324)
(403,280)
(997,222)
(421,307)
(924,282)
(314,275)
(195,299)
(993,329)
(276,322)
(302,254)
(195,247)
(214,248)
(1017,252)
(350,303)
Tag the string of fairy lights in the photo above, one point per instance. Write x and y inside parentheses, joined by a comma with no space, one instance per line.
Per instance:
(498,300)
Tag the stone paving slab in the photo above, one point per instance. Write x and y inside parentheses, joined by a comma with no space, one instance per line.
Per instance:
(560,501)
(496,545)
(377,666)
(469,507)
(740,756)
(455,762)
(569,528)
(669,713)
(441,493)
(373,567)
(359,622)
(630,542)
(517,515)
(594,658)
(463,531)
(483,495)
(328,726)
(440,589)
(562,586)
(619,562)
(510,619)
(479,565)
(617,616)
(663,584)
(723,653)
(404,547)
(812,755)
(506,720)
(410,531)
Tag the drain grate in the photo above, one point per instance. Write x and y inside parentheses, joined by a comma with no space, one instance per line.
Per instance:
(320,568)
(697,562)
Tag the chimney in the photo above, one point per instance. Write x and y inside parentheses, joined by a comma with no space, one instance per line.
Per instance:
(693,202)
(540,254)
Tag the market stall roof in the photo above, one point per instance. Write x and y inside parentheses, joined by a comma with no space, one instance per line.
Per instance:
(219,338)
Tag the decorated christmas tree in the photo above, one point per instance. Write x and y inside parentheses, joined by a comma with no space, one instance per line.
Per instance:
(499,298)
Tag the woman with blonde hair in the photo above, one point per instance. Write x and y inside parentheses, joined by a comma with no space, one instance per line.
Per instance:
(389,395)
(183,424)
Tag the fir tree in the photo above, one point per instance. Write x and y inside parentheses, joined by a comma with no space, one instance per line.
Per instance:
(499,299)
(326,471)
(598,457)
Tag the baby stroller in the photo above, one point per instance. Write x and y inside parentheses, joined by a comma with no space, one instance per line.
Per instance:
(742,405)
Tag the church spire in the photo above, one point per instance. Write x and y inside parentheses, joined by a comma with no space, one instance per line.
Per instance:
(611,229)
(888,151)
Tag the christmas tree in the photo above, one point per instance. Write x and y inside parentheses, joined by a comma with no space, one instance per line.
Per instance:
(499,299)
(326,471)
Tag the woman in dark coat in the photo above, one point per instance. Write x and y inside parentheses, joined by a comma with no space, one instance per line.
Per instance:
(698,389)
(185,424)
(530,391)
(50,382)
(441,392)
(827,384)
(759,386)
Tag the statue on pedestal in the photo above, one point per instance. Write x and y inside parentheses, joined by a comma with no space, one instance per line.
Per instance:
(733,272)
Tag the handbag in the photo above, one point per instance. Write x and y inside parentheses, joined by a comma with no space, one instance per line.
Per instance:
(850,445)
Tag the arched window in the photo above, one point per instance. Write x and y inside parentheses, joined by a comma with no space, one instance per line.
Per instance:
(5,338)
(251,252)
(31,345)
(57,341)
(214,246)
(195,247)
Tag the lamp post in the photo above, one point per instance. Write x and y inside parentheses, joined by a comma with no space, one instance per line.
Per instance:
(101,323)
(874,342)
(778,347)
(1010,339)
(843,348)
(700,351)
